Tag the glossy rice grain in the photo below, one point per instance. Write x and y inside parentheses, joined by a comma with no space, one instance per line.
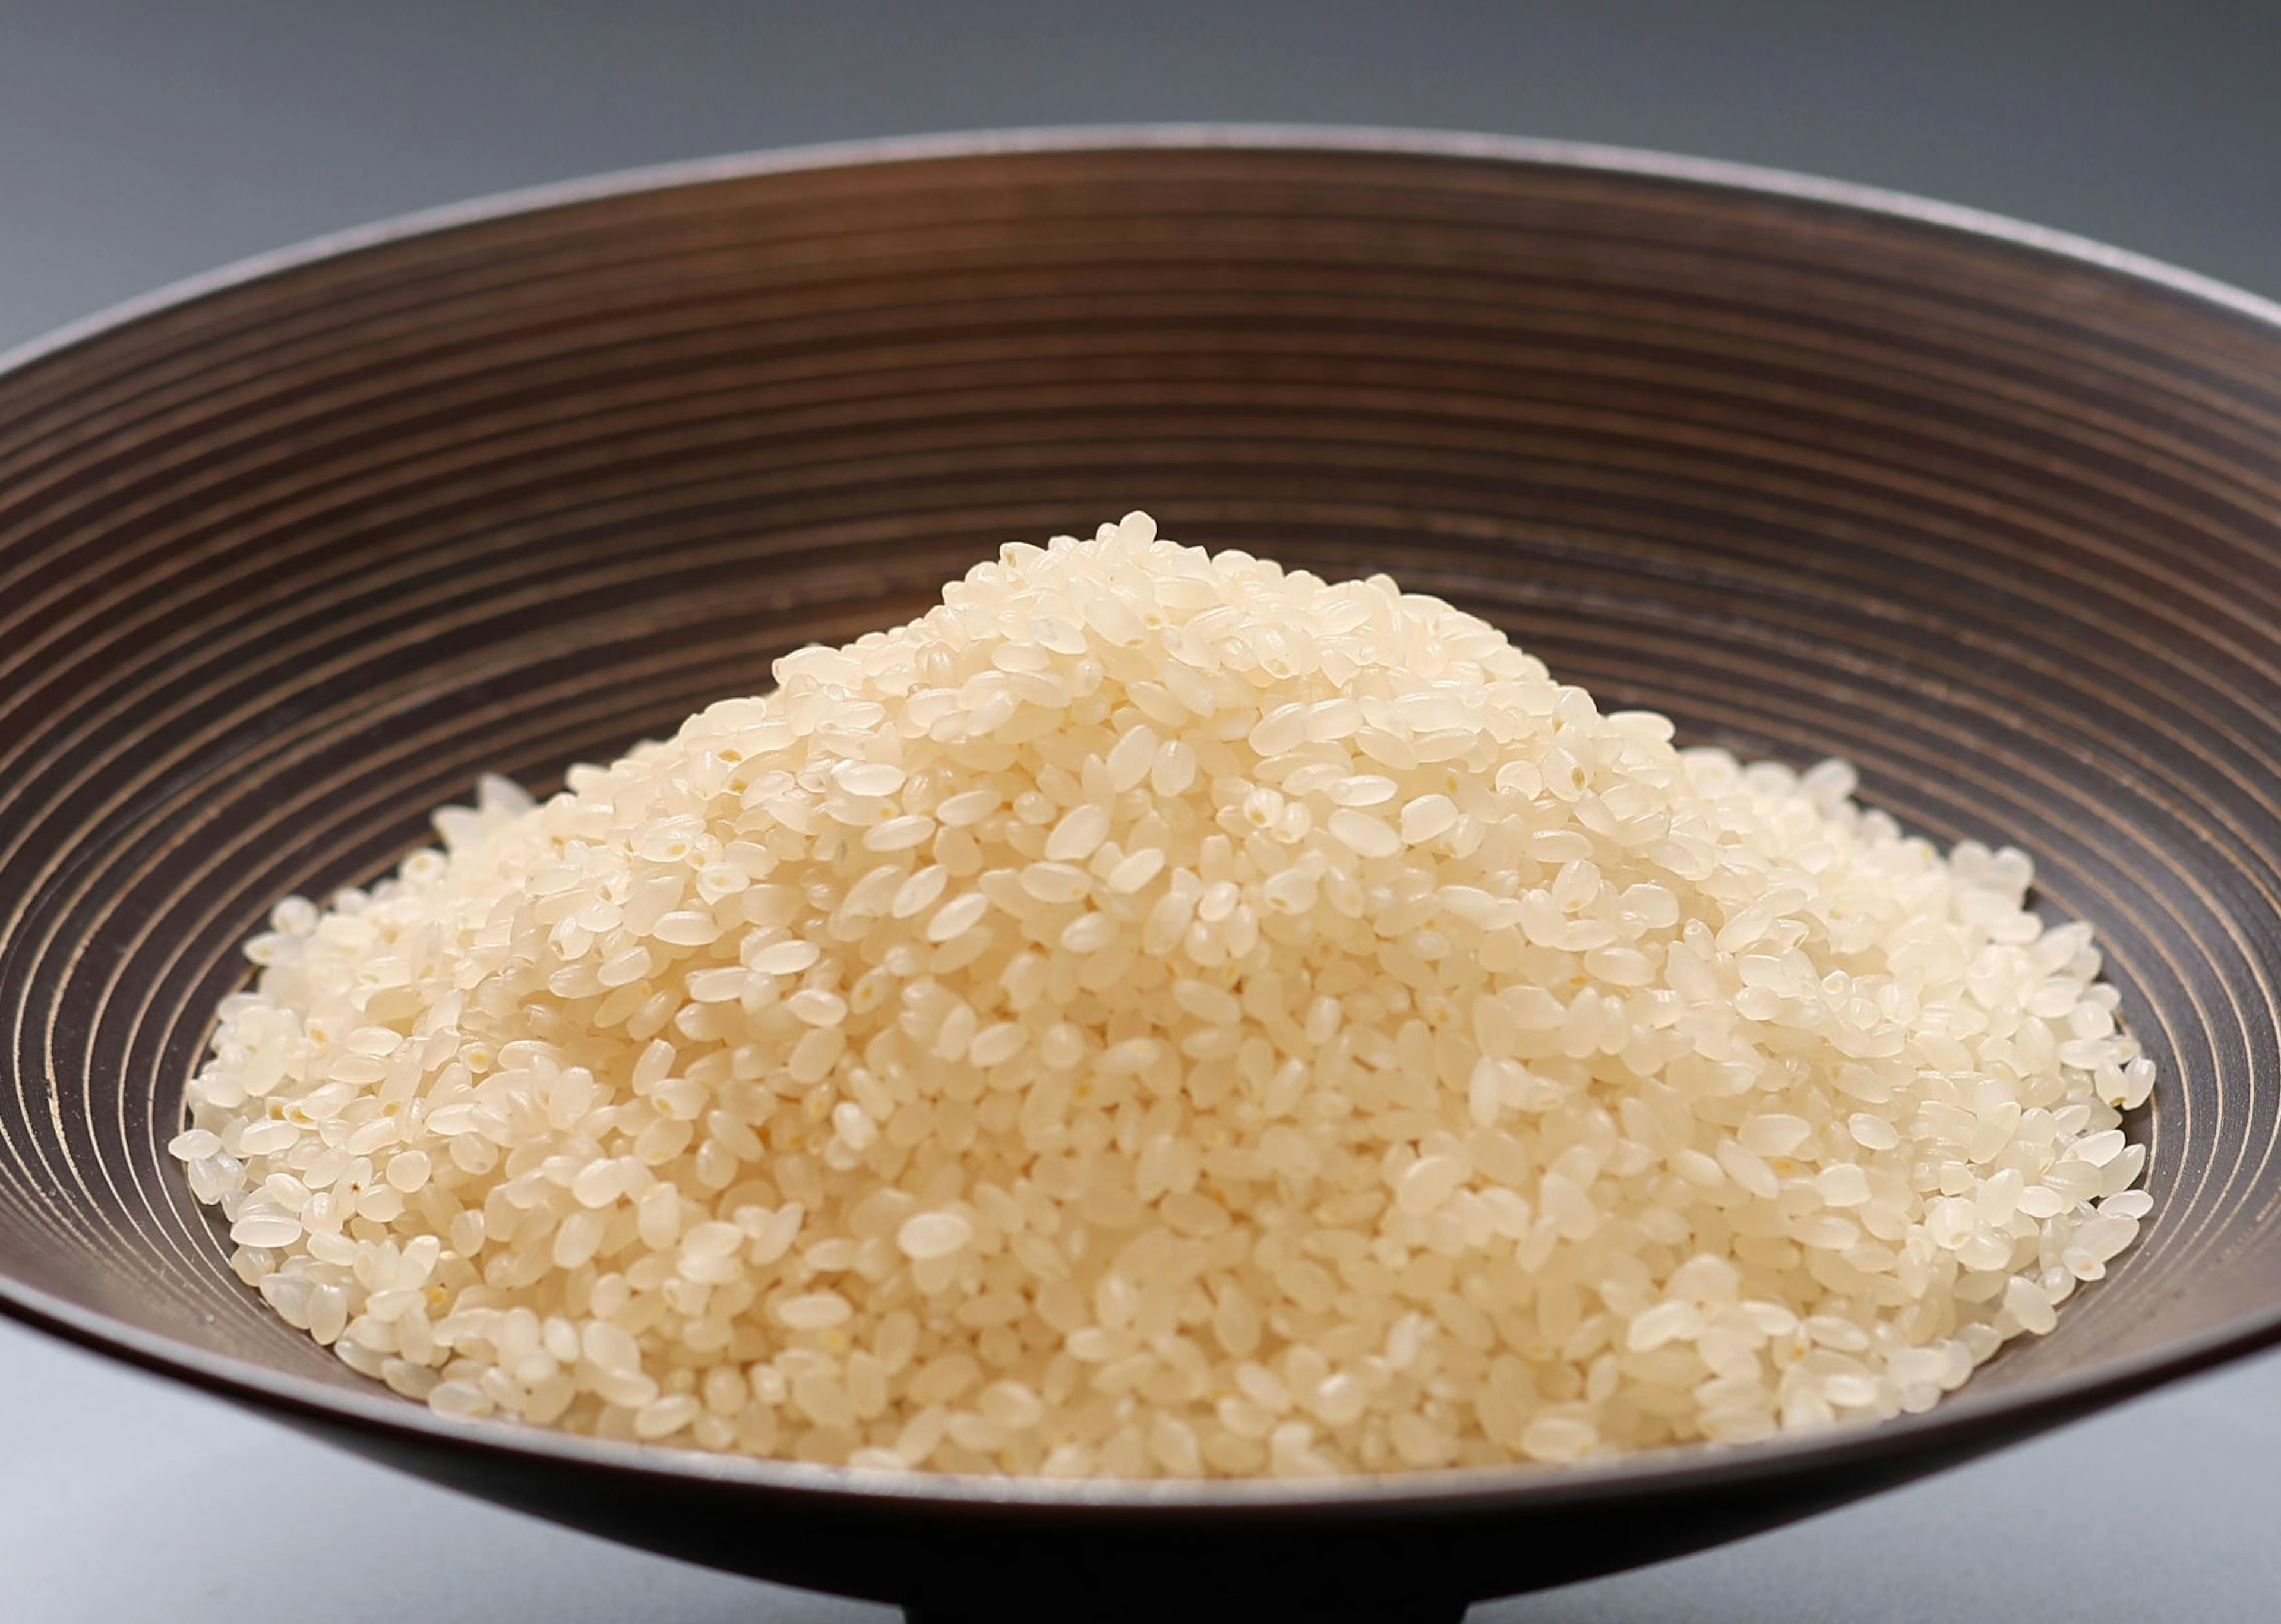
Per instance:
(1463,1075)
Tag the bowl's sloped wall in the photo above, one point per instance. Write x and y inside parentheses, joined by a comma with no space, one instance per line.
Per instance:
(283,567)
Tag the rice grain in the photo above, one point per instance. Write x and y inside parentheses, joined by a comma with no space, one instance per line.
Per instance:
(1161,1014)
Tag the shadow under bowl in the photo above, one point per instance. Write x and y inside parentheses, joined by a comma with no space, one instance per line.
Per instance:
(286,558)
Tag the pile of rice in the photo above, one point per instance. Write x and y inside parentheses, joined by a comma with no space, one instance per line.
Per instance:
(1160,1014)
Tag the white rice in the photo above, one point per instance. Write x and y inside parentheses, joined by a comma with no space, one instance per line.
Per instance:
(1161,1014)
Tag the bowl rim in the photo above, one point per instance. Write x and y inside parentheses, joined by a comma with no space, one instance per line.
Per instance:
(1953,1429)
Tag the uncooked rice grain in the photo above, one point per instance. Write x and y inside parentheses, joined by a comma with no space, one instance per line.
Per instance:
(1160,1014)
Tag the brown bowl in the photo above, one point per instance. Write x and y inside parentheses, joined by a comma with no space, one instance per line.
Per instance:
(288,556)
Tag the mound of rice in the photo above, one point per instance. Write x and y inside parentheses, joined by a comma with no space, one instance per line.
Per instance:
(1162,1014)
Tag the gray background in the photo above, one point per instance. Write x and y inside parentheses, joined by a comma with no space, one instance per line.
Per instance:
(141,143)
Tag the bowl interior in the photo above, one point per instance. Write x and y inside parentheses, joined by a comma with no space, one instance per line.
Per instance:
(285,564)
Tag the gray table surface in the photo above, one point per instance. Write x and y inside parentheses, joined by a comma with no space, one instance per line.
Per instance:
(143,142)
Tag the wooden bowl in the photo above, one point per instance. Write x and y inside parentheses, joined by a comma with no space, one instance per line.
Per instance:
(288,556)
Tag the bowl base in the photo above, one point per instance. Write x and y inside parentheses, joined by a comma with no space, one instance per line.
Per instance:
(1244,1610)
